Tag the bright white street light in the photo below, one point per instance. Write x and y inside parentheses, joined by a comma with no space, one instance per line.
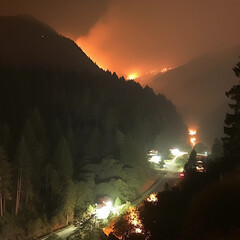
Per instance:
(104,211)
(175,151)
(155,159)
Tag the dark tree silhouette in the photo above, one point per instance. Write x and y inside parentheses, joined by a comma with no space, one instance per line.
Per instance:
(232,126)
(191,161)
(5,180)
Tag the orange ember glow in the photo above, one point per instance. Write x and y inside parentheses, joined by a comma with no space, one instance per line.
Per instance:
(132,76)
(192,132)
(165,70)
(133,219)
(193,139)
(107,230)
(152,198)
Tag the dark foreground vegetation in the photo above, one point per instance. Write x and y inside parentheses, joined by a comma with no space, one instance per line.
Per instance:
(70,132)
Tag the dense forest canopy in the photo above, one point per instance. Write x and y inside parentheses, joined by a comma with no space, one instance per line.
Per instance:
(70,132)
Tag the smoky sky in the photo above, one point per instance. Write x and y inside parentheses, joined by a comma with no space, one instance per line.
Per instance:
(73,18)
(138,36)
(142,35)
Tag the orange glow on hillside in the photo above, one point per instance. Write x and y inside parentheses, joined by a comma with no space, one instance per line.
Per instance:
(93,53)
(132,76)
(107,230)
(165,70)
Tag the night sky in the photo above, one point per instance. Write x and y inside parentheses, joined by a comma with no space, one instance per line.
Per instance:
(138,36)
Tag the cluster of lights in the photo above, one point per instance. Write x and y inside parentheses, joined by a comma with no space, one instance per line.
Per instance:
(165,70)
(152,198)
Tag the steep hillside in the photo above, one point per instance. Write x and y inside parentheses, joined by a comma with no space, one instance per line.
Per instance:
(70,132)
(198,90)
(27,42)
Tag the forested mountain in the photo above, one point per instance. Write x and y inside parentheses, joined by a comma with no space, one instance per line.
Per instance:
(26,42)
(70,132)
(197,88)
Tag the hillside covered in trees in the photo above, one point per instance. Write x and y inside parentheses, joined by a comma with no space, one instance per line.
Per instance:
(204,205)
(207,78)
(70,132)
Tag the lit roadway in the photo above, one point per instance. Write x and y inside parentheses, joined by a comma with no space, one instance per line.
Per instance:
(170,178)
(63,233)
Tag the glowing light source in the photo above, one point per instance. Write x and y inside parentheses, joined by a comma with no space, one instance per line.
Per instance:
(193,139)
(134,220)
(155,159)
(175,151)
(104,211)
(182,175)
(132,76)
(138,230)
(192,132)
(165,70)
(152,198)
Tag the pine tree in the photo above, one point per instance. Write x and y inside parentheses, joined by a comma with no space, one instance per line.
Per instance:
(5,180)
(232,126)
(63,160)
(35,149)
(217,149)
(56,132)
(191,161)
(38,127)
(24,172)
(6,138)
(71,140)
(92,147)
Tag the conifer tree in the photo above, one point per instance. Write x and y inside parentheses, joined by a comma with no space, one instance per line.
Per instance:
(63,160)
(6,138)
(191,161)
(24,172)
(35,149)
(5,180)
(217,149)
(56,132)
(71,140)
(38,127)
(232,126)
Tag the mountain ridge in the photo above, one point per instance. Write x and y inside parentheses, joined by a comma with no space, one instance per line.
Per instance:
(198,89)
(27,41)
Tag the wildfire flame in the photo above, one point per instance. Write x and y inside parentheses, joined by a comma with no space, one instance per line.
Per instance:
(193,139)
(152,198)
(133,219)
(192,132)
(165,70)
(132,76)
